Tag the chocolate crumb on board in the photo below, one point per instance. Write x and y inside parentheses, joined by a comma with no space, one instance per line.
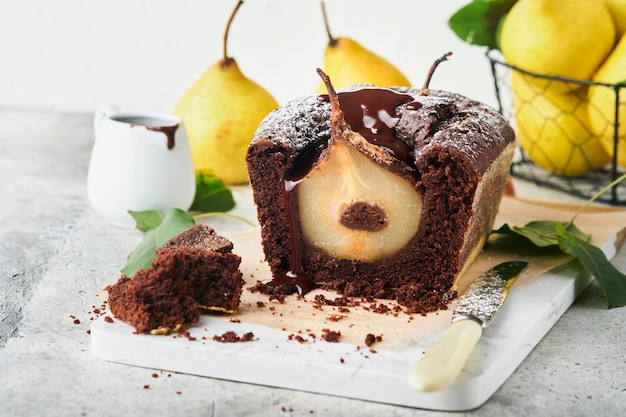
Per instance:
(335,317)
(331,335)
(184,332)
(297,338)
(232,337)
(370,339)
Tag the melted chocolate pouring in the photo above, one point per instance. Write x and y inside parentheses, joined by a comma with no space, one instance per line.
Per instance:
(296,276)
(305,162)
(372,113)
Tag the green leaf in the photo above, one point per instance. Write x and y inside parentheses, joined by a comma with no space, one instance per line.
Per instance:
(212,195)
(611,281)
(571,241)
(174,222)
(478,22)
(542,233)
(146,220)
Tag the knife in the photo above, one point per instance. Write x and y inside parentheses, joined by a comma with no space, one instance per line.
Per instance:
(475,309)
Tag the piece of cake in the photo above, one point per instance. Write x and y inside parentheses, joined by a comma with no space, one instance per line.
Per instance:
(192,271)
(397,210)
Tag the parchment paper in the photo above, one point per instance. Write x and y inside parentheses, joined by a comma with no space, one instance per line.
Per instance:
(304,321)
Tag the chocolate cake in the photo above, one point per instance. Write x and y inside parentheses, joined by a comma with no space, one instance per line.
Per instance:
(192,271)
(397,211)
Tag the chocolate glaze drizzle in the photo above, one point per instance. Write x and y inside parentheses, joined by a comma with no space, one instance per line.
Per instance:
(372,113)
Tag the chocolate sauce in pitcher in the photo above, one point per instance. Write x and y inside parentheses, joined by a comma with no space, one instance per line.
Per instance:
(170,133)
(153,124)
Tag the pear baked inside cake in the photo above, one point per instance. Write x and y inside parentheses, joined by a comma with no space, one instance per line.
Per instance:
(389,194)
(192,271)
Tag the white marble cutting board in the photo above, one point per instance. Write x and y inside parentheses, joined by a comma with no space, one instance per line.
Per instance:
(349,368)
(342,369)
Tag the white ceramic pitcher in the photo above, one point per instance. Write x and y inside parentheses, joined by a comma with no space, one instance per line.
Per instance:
(139,161)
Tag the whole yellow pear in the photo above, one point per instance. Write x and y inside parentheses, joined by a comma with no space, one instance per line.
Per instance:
(602,102)
(567,38)
(347,63)
(221,111)
(553,128)
(617,8)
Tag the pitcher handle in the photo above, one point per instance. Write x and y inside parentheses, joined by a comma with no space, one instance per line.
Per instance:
(103,112)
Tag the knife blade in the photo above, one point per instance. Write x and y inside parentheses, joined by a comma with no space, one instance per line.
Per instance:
(474,311)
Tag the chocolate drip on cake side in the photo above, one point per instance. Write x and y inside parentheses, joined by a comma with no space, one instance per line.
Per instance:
(372,113)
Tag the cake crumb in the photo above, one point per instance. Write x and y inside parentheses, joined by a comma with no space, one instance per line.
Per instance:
(370,339)
(335,317)
(232,337)
(297,338)
(183,332)
(331,335)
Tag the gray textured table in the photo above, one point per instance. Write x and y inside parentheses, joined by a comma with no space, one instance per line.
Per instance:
(55,253)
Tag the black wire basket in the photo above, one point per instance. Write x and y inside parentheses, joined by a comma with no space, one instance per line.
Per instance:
(598,172)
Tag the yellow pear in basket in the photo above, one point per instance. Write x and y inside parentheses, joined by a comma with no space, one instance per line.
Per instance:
(567,38)
(602,103)
(617,8)
(221,111)
(552,128)
(347,63)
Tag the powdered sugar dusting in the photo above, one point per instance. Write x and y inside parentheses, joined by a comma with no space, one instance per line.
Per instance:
(298,123)
(441,119)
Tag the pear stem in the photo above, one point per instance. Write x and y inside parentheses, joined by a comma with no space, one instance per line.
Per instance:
(425,91)
(331,40)
(335,107)
(230,20)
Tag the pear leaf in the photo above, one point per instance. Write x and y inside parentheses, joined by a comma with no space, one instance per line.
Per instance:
(478,22)
(212,195)
(611,281)
(542,233)
(572,241)
(146,220)
(173,222)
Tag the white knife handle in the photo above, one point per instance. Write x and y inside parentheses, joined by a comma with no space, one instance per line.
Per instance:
(443,362)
